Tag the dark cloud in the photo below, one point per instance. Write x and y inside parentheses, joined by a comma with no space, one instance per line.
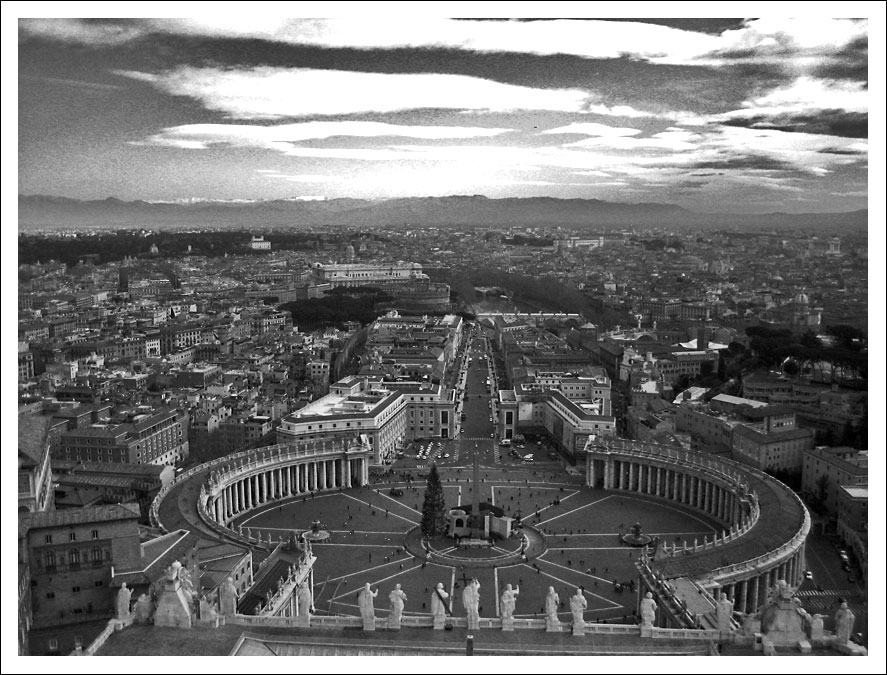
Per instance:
(842,151)
(851,63)
(827,122)
(708,173)
(760,162)
(692,184)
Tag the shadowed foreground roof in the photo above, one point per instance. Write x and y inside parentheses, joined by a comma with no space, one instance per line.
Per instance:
(238,640)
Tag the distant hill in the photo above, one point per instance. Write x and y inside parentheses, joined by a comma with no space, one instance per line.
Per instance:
(44,212)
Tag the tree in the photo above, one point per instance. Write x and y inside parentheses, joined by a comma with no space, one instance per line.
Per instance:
(434,517)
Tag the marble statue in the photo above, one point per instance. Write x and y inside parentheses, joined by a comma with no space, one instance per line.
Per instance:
(397,598)
(844,619)
(471,600)
(508,601)
(552,602)
(304,597)
(143,609)
(725,613)
(365,601)
(438,608)
(123,596)
(648,610)
(578,605)
(228,597)
(172,572)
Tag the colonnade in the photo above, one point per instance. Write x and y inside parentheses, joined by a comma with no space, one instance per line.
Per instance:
(265,484)
(686,486)
(718,495)
(749,594)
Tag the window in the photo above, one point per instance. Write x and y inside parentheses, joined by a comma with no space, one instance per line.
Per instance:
(96,554)
(99,584)
(48,539)
(49,560)
(74,557)
(75,589)
(95,534)
(50,596)
(53,645)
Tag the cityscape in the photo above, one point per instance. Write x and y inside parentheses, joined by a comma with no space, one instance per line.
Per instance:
(437,337)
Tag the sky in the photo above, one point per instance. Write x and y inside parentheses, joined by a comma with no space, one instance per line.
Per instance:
(725,114)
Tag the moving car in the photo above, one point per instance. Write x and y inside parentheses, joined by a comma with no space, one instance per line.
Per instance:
(808,575)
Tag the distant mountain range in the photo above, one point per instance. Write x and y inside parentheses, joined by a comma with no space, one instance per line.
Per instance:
(43,212)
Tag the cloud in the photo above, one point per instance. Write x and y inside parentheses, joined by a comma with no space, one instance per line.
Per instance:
(281,137)
(82,31)
(273,93)
(592,129)
(810,105)
(303,178)
(776,40)
(827,122)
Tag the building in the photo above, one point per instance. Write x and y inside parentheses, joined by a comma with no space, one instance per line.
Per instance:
(827,470)
(388,414)
(568,409)
(71,554)
(259,244)
(35,492)
(156,437)
(367,274)
(772,450)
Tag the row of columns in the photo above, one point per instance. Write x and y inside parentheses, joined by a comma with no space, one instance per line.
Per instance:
(668,483)
(748,595)
(289,481)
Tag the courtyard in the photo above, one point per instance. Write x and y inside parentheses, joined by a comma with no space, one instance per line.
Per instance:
(581,528)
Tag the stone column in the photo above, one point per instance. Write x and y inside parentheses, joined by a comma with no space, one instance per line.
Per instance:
(755,602)
(314,475)
(591,473)
(658,481)
(649,472)
(347,473)
(742,596)
(632,468)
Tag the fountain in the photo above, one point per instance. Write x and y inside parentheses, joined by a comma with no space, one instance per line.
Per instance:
(636,537)
(316,534)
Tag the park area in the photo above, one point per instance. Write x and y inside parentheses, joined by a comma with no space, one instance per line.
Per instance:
(582,530)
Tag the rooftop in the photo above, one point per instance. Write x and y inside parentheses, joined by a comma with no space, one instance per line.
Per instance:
(93,514)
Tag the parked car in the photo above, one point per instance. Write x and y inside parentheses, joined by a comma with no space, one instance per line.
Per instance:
(396,492)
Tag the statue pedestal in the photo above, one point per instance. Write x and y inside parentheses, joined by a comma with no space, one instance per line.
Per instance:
(303,621)
(393,623)
(579,628)
(473,624)
(646,631)
(369,624)
(508,624)
(439,622)
(804,647)
(552,625)
(173,606)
